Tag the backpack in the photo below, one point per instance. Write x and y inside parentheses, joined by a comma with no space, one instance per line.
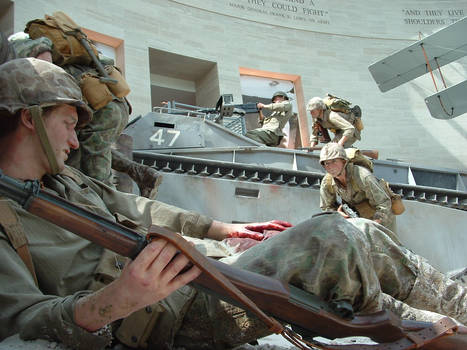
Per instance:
(337,104)
(64,34)
(356,157)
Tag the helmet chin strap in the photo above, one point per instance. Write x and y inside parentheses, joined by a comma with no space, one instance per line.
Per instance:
(342,170)
(36,113)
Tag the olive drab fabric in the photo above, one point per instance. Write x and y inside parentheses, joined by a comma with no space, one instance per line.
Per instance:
(39,83)
(15,232)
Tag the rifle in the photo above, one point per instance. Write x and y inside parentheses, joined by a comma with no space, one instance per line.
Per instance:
(349,211)
(322,133)
(304,311)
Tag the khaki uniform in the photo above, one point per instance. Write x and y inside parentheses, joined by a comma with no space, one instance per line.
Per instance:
(362,186)
(342,124)
(336,259)
(271,132)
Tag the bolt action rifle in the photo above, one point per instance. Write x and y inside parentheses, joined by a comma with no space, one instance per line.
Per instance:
(265,297)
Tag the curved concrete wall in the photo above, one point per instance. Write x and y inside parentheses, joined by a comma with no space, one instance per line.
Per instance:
(328,43)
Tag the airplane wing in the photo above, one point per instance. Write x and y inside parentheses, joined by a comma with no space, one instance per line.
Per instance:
(445,46)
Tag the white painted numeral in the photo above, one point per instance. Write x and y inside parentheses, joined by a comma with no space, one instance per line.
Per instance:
(158,137)
(176,134)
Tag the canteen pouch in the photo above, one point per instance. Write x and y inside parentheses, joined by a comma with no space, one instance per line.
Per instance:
(121,88)
(94,91)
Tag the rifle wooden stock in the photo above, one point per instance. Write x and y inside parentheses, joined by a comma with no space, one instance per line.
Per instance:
(285,302)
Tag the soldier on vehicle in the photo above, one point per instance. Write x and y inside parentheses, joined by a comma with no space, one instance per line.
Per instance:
(271,131)
(355,185)
(343,125)
(83,300)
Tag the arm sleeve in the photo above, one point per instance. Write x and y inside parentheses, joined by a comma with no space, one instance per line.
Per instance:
(144,212)
(378,198)
(284,106)
(327,199)
(341,124)
(33,314)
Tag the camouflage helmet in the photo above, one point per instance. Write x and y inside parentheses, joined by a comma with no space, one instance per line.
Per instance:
(279,93)
(27,82)
(332,150)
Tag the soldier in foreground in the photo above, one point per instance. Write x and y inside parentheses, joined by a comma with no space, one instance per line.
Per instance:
(271,133)
(83,300)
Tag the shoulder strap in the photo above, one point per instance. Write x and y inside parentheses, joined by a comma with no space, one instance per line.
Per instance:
(15,233)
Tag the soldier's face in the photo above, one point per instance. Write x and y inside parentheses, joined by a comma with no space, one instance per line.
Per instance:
(315,113)
(60,123)
(278,99)
(334,166)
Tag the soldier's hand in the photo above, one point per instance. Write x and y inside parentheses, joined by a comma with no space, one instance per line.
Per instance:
(342,212)
(154,274)
(257,230)
(260,105)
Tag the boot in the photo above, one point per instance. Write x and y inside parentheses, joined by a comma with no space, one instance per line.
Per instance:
(436,292)
(148,179)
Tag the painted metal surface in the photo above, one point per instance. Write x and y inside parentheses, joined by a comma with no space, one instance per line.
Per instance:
(445,46)
(200,138)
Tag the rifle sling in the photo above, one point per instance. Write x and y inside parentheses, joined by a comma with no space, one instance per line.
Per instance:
(15,233)
(202,263)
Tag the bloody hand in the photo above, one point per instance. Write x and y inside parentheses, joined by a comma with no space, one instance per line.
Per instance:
(256,231)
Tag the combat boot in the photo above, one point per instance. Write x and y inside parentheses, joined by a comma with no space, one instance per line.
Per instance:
(436,292)
(148,179)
